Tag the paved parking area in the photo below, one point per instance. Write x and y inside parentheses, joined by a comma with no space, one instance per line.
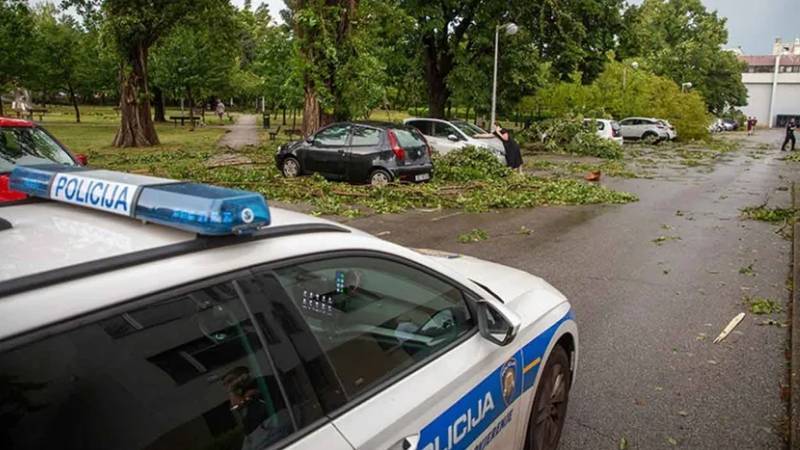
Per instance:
(653,283)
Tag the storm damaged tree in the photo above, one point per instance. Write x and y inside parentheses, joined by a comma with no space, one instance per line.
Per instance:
(133,27)
(323,30)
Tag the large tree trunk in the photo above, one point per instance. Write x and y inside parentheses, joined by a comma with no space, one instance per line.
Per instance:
(311,112)
(437,68)
(158,99)
(136,128)
(438,94)
(74,101)
(191,108)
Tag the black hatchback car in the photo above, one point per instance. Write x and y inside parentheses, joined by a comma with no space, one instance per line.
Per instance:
(372,152)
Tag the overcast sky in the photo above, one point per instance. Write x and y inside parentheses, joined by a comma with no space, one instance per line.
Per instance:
(752,24)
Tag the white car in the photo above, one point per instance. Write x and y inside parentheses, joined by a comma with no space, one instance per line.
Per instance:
(138,312)
(445,136)
(606,129)
(643,128)
(672,134)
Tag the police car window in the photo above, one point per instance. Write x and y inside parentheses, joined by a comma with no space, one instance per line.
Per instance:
(366,136)
(332,136)
(189,372)
(374,318)
(29,146)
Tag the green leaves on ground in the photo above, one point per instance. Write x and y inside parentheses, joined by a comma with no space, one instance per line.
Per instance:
(747,271)
(661,240)
(766,214)
(469,164)
(485,184)
(761,306)
(570,135)
(476,235)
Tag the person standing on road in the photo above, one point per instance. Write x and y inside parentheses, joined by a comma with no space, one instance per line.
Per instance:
(513,152)
(789,135)
(749,126)
(220,109)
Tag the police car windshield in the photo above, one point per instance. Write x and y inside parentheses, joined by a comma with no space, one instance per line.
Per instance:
(468,128)
(29,146)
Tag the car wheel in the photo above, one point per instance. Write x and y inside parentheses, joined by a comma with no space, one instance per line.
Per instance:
(290,167)
(380,177)
(550,404)
(650,138)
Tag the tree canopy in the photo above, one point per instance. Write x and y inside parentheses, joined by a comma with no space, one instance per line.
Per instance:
(342,59)
(683,41)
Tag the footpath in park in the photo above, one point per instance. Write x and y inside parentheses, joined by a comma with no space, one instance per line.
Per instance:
(241,134)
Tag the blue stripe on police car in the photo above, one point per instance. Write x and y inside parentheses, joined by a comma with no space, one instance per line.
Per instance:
(463,422)
(110,196)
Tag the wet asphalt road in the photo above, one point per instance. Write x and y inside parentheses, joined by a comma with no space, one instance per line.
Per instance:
(648,313)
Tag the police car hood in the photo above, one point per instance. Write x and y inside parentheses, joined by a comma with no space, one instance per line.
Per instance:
(506,282)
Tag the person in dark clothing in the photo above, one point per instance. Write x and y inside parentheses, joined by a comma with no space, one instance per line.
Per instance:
(789,135)
(513,152)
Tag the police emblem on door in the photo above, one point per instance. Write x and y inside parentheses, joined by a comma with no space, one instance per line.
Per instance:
(508,380)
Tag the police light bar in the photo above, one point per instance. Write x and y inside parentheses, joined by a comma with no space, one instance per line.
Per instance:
(198,208)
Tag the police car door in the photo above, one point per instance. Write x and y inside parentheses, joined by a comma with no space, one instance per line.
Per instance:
(405,348)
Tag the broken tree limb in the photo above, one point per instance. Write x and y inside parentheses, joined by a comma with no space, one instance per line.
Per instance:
(727,330)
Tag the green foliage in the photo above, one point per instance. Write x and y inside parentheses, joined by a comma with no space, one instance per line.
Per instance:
(619,92)
(188,162)
(469,164)
(590,144)
(570,135)
(573,36)
(193,61)
(766,214)
(682,40)
(761,306)
(16,41)
(475,235)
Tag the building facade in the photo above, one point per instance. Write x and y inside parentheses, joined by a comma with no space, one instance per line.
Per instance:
(773,84)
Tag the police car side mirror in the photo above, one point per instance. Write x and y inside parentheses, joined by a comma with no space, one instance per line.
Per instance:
(496,323)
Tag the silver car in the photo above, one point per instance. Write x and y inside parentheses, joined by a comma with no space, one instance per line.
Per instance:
(445,136)
(644,128)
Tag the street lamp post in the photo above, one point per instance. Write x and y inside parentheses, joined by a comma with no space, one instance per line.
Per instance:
(510,29)
(634,66)
(686,86)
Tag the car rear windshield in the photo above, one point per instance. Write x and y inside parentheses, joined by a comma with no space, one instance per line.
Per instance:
(29,146)
(408,138)
(468,128)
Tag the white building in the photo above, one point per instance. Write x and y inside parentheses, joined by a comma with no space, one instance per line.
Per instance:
(773,84)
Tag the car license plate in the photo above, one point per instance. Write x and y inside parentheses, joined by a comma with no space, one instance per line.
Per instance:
(422,177)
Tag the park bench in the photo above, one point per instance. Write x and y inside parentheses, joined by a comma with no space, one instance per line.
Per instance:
(274,134)
(183,119)
(31,111)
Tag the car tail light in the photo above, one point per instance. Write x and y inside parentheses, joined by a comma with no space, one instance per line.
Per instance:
(6,194)
(398,151)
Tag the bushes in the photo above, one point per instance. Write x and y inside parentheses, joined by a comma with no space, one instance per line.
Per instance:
(470,163)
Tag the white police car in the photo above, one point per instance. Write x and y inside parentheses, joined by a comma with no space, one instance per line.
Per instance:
(236,326)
